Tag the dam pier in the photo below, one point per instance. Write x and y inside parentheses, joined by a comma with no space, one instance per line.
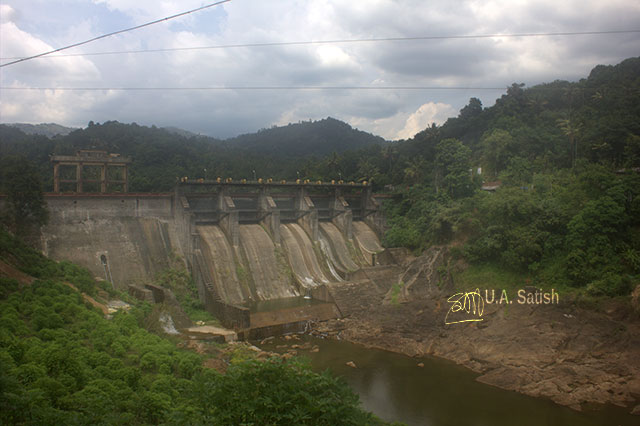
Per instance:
(267,257)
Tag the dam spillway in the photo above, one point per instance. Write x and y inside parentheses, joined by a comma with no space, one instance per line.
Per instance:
(302,256)
(266,267)
(219,265)
(337,249)
(243,243)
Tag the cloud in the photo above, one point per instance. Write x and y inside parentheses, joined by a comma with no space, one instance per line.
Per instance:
(424,116)
(7,14)
(33,26)
(405,124)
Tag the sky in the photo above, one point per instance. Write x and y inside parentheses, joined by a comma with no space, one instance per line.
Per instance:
(226,91)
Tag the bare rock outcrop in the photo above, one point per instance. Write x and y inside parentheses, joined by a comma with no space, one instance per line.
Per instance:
(426,276)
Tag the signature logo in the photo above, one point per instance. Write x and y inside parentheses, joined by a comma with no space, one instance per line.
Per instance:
(465,307)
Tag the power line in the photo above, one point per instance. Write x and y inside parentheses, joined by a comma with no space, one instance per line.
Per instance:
(340,41)
(116,32)
(332,88)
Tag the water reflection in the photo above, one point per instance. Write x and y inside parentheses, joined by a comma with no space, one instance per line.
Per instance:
(440,393)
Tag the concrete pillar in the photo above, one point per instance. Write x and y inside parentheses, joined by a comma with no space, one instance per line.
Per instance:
(307,214)
(372,213)
(268,211)
(56,177)
(342,216)
(103,178)
(79,177)
(125,177)
(229,221)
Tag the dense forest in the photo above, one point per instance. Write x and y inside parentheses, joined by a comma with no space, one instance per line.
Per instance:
(564,156)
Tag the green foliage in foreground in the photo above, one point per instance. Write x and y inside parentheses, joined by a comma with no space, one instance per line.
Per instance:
(180,281)
(278,392)
(15,252)
(63,363)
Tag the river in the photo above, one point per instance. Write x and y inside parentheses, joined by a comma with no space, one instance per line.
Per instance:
(440,393)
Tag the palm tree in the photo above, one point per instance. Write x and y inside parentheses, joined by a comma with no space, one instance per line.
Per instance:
(367,170)
(571,129)
(414,170)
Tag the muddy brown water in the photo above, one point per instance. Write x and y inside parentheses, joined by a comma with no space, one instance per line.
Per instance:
(441,393)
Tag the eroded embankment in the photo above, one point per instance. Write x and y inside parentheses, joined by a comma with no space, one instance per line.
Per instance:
(558,351)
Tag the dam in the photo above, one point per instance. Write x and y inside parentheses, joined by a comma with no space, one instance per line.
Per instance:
(266,257)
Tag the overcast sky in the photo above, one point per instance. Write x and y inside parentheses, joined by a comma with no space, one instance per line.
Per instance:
(29,27)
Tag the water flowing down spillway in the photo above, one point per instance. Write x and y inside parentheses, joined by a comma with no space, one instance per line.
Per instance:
(302,258)
(268,271)
(220,265)
(260,270)
(338,252)
(367,240)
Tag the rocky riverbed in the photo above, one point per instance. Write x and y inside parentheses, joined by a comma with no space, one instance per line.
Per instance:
(561,351)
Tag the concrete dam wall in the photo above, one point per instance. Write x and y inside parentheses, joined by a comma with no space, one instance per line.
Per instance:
(245,245)
(126,239)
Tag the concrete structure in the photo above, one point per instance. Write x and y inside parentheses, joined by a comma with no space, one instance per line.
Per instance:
(245,244)
(109,171)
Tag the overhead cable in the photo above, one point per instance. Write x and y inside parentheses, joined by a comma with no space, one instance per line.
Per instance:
(336,41)
(115,32)
(333,88)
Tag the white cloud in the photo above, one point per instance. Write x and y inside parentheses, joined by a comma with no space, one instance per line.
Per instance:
(7,14)
(391,114)
(424,116)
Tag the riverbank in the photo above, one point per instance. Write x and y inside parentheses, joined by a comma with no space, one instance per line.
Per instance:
(431,391)
(560,351)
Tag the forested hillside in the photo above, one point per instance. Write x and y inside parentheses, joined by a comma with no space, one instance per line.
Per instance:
(161,155)
(566,157)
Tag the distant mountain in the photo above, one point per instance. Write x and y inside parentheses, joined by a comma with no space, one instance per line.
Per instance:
(160,155)
(306,138)
(45,129)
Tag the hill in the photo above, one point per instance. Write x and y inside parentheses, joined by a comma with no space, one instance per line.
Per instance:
(160,155)
(321,137)
(45,129)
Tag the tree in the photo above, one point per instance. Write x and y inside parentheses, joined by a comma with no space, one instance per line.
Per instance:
(415,169)
(24,206)
(453,168)
(367,170)
(496,147)
(571,129)
(473,109)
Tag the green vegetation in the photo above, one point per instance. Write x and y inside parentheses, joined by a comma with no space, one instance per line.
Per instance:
(181,283)
(277,392)
(62,362)
(396,288)
(567,212)
(491,276)
(566,158)
(25,207)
